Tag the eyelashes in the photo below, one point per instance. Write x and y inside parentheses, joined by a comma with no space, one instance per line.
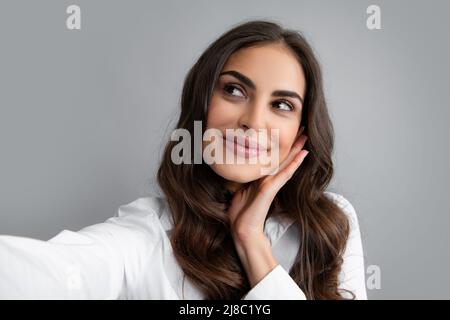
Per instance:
(229,89)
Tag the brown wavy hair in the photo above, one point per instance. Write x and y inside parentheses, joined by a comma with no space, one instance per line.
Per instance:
(201,238)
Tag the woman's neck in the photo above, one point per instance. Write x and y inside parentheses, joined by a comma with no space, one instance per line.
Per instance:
(233,186)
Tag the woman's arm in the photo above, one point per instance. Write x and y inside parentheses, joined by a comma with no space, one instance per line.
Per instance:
(96,262)
(257,258)
(277,283)
(268,279)
(72,266)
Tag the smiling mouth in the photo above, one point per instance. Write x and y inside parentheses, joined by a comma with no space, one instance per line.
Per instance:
(243,146)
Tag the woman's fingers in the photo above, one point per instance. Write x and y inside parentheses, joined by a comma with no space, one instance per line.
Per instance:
(285,174)
(271,184)
(296,148)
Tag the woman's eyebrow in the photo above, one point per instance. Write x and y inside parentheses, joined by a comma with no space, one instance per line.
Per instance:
(251,85)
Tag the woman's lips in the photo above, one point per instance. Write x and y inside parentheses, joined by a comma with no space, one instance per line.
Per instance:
(244,146)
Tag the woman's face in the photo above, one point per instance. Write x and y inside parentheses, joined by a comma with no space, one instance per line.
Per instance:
(245,98)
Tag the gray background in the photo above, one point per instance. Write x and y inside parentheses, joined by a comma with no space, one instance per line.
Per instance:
(84,115)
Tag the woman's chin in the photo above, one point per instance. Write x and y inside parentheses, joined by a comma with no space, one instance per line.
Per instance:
(239,173)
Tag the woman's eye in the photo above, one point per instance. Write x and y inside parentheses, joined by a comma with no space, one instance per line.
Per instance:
(230,89)
(282,105)
(234,91)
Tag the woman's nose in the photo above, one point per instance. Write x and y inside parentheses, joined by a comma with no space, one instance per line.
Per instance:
(253,117)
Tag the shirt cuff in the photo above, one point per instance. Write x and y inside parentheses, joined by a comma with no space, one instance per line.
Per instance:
(276,285)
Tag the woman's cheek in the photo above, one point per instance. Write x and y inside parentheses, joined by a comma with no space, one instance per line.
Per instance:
(219,114)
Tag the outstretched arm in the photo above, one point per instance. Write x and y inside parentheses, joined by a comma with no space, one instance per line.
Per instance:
(96,262)
(71,266)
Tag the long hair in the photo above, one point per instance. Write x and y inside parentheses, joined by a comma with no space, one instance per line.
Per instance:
(201,238)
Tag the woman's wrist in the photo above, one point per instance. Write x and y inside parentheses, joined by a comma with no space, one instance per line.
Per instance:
(257,258)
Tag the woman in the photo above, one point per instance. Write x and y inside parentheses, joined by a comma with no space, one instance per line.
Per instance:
(224,229)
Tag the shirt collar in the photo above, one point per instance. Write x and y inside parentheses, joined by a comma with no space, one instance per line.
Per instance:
(276,226)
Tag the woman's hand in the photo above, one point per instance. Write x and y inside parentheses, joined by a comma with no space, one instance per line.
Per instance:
(248,212)
(249,207)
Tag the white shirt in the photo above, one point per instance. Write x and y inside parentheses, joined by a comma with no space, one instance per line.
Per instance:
(129,256)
